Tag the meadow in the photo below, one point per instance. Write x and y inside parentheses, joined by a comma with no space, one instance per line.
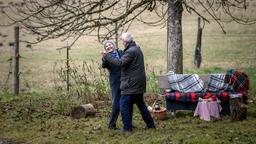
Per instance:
(40,114)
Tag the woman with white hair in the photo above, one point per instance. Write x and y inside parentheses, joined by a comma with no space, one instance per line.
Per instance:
(114,80)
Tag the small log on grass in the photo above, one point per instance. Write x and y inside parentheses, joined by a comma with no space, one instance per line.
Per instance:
(83,111)
(238,110)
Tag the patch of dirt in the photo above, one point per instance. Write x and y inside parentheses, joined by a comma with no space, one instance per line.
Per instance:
(8,141)
(5,141)
(5,107)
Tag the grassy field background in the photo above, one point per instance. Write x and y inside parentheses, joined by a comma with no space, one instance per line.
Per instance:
(40,113)
(236,49)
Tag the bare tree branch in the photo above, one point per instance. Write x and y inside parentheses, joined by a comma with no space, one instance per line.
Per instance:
(51,19)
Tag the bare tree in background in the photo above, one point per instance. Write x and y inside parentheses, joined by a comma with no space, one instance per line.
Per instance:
(71,19)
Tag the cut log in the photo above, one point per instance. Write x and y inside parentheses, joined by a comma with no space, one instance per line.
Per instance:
(83,111)
(238,109)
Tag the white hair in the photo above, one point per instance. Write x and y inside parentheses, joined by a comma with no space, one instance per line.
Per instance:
(108,41)
(127,37)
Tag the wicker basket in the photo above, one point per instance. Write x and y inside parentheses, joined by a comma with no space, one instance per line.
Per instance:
(159,114)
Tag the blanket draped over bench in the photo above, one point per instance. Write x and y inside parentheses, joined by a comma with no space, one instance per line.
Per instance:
(188,88)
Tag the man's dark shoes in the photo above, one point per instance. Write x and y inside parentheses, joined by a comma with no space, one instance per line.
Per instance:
(113,128)
(152,127)
(125,130)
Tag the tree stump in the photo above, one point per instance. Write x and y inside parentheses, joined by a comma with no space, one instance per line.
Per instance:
(83,111)
(238,110)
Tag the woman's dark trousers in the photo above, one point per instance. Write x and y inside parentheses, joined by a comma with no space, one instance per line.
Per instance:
(116,94)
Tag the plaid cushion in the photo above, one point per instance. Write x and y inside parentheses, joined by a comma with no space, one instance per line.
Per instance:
(216,83)
(185,82)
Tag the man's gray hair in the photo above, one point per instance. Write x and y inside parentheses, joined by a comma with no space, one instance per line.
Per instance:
(108,41)
(127,37)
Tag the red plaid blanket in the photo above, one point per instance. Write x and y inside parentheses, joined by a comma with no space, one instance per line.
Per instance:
(193,97)
(239,81)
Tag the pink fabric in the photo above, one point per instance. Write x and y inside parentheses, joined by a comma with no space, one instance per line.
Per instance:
(205,110)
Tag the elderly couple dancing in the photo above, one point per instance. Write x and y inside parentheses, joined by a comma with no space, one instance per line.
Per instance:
(127,81)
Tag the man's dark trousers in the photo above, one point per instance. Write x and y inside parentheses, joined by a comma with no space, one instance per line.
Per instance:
(126,104)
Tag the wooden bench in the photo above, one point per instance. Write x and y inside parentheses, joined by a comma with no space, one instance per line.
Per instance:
(177,105)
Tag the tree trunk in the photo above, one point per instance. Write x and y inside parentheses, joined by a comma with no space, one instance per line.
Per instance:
(198,56)
(174,37)
(15,60)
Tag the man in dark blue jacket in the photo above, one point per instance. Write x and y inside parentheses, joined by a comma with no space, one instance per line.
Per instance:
(133,81)
(114,80)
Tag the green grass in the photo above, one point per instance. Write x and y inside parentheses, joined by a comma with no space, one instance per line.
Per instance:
(39,113)
(43,117)
(46,125)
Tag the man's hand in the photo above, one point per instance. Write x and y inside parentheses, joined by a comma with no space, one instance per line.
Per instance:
(103,53)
